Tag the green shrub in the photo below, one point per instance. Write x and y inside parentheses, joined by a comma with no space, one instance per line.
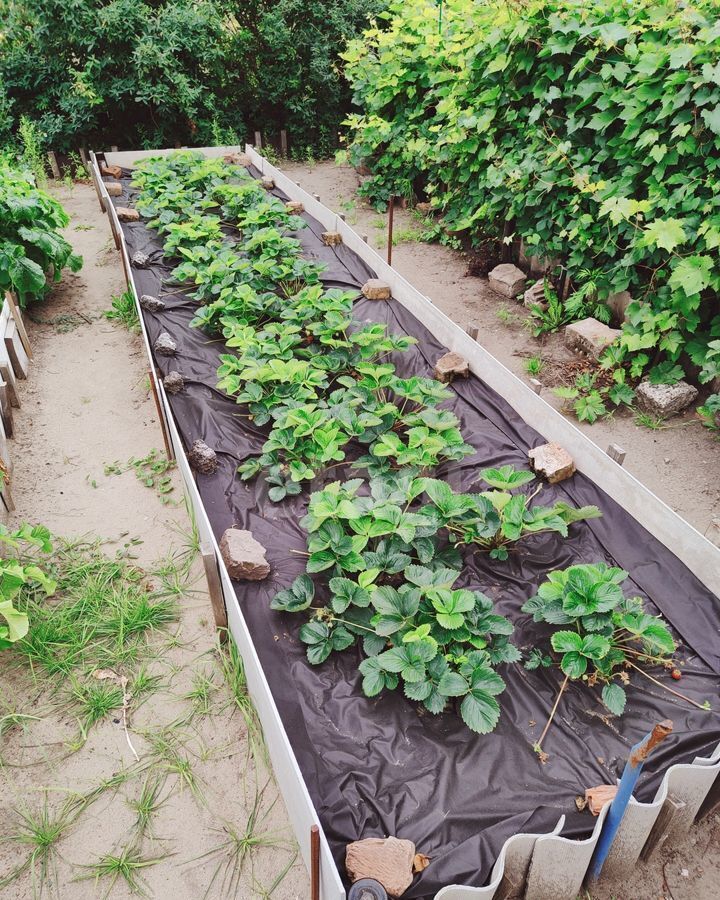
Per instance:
(30,245)
(158,72)
(592,130)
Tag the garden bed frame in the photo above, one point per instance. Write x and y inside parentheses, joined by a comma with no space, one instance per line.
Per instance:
(534,866)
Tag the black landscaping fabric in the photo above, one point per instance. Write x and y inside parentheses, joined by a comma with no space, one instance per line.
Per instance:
(382,766)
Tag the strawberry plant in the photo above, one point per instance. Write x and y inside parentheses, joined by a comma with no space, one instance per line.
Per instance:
(600,636)
(393,591)
(494,520)
(31,246)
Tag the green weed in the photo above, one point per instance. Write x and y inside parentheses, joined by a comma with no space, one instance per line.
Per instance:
(39,832)
(124,311)
(534,365)
(151,470)
(127,865)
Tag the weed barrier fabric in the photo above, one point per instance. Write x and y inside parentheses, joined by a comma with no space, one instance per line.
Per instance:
(377,767)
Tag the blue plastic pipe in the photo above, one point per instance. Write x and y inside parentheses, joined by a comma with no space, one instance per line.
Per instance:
(630,775)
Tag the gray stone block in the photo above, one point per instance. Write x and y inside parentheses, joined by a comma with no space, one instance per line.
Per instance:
(507,280)
(665,400)
(590,336)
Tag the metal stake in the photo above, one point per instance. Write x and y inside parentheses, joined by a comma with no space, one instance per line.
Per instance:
(314,863)
(630,775)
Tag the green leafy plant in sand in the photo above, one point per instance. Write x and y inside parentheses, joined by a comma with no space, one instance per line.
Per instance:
(16,573)
(31,246)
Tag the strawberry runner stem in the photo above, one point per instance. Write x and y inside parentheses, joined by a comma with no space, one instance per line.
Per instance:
(665,686)
(538,745)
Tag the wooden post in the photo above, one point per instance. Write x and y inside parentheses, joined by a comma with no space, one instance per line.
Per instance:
(93,175)
(661,829)
(15,313)
(473,331)
(84,158)
(6,494)
(258,140)
(168,446)
(18,358)
(6,412)
(217,600)
(8,376)
(535,385)
(116,237)
(364,237)
(314,863)
(391,212)
(283,144)
(54,167)
(616,452)
(113,149)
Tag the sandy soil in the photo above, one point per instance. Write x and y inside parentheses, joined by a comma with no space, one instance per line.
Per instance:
(680,463)
(86,403)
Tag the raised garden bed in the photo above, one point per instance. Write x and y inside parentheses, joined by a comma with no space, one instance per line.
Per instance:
(381,766)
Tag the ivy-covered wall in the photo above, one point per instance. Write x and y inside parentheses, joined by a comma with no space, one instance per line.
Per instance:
(593,129)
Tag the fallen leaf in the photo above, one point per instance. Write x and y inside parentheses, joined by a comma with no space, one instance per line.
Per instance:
(106,675)
(420,862)
(580,802)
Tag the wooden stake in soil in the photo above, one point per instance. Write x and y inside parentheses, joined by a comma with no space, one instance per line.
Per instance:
(616,453)
(8,376)
(314,863)
(168,446)
(93,175)
(6,412)
(669,811)
(217,600)
(258,140)
(391,212)
(15,312)
(283,144)
(15,350)
(54,167)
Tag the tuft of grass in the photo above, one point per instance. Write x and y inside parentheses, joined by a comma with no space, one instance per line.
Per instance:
(147,804)
(124,311)
(506,317)
(201,694)
(95,700)
(39,832)
(646,420)
(152,470)
(102,615)
(168,754)
(233,672)
(126,865)
(534,365)
(239,845)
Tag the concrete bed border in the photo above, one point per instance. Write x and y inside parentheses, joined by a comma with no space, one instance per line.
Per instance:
(535,866)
